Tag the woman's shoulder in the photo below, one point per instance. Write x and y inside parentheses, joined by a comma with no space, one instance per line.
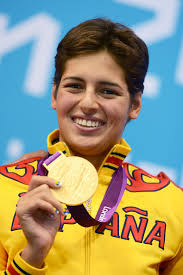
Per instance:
(140,180)
(19,171)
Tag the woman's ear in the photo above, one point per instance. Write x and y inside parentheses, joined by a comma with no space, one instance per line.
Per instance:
(53,97)
(135,106)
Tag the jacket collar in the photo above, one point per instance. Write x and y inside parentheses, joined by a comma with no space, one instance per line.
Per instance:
(110,164)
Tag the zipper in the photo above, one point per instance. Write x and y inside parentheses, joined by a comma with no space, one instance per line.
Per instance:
(87,252)
(88,232)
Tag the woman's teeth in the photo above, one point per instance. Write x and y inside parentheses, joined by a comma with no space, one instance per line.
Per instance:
(87,123)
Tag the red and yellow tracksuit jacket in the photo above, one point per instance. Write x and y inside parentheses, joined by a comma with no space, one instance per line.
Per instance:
(144,236)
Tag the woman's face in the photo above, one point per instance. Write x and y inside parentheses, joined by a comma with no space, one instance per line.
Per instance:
(93,104)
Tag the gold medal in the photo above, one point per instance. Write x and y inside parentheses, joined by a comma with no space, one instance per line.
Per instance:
(78,176)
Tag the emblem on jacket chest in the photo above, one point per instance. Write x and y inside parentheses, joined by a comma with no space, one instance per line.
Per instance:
(135,227)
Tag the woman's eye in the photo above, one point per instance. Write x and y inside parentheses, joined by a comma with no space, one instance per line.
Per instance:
(74,86)
(108,92)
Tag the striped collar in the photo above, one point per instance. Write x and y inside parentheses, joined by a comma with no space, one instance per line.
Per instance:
(110,164)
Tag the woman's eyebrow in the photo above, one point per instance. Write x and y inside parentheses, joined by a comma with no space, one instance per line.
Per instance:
(73,78)
(109,83)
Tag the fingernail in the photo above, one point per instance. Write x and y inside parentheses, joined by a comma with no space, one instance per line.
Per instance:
(58,183)
(56,211)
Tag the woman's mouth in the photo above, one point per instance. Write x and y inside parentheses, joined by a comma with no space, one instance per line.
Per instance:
(88,123)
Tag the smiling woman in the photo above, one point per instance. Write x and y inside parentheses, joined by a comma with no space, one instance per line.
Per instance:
(100,68)
(87,97)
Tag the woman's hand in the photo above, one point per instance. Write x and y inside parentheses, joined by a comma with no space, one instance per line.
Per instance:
(39,216)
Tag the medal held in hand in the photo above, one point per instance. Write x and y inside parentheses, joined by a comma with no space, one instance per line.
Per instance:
(78,176)
(79,180)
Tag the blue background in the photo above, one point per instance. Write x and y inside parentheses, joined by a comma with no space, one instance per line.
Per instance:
(156,137)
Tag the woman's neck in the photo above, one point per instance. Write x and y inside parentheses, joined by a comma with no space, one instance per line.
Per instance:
(96,160)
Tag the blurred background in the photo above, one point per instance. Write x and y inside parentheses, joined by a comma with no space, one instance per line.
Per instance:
(29,34)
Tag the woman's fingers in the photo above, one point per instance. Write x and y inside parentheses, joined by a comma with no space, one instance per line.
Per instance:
(37,181)
(35,204)
(39,194)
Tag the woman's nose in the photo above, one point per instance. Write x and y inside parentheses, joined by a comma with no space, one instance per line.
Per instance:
(88,102)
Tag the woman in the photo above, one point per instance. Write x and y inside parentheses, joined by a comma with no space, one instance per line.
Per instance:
(99,73)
